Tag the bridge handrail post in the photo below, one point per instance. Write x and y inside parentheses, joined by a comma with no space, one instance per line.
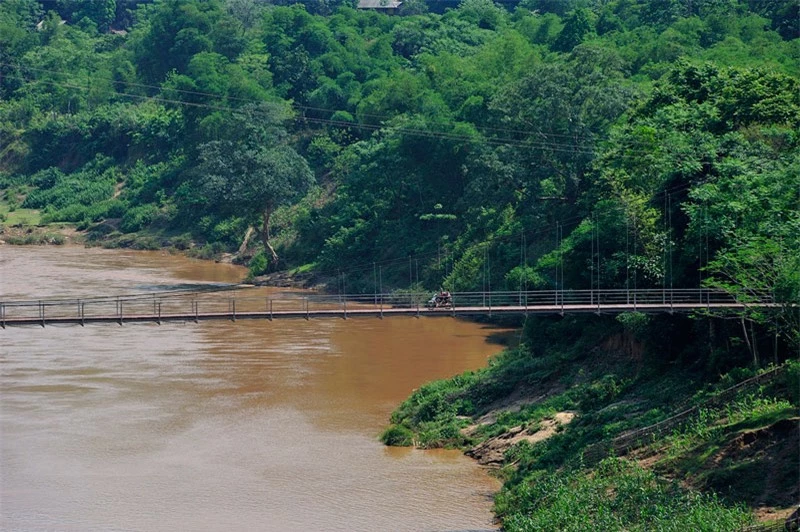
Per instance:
(381,305)
(634,300)
(41,312)
(306,303)
(270,309)
(417,298)
(344,305)
(82,311)
(159,313)
(233,313)
(119,302)
(3,315)
(196,305)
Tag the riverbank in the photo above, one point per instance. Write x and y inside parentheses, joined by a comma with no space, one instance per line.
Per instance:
(27,235)
(106,236)
(564,422)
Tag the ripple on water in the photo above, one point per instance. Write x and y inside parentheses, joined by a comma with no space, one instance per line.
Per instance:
(219,426)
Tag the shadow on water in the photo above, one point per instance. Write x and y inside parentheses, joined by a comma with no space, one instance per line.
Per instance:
(505,337)
(188,287)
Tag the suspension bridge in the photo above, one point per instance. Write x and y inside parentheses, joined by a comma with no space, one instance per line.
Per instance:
(209,306)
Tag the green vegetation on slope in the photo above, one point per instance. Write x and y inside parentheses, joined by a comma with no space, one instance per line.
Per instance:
(571,144)
(664,437)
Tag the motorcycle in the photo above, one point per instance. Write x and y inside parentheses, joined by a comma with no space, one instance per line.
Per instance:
(440,300)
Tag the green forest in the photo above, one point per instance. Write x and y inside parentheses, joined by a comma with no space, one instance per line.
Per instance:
(471,145)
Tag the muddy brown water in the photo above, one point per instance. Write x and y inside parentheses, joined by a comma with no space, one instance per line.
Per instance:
(219,426)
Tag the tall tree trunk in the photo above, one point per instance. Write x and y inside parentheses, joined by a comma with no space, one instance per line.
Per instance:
(246,240)
(265,235)
(749,344)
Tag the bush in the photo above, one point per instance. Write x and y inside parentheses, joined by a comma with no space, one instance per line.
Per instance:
(138,218)
(258,264)
(600,392)
(93,184)
(181,242)
(398,436)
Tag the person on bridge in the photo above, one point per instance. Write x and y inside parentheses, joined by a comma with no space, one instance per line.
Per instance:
(445,298)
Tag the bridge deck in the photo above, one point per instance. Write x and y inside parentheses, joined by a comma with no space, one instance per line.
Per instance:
(79,318)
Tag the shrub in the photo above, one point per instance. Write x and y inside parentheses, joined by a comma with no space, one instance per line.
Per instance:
(398,436)
(138,218)
(258,264)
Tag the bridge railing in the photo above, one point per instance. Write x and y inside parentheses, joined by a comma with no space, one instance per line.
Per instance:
(241,302)
(601,298)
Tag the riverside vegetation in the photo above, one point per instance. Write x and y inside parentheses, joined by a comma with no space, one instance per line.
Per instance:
(536,144)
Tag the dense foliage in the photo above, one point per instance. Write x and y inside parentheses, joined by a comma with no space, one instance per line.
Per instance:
(525,145)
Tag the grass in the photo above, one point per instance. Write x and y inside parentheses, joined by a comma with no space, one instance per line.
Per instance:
(18,216)
(305,268)
(616,495)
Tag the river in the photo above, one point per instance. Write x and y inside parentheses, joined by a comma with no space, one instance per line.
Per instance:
(252,425)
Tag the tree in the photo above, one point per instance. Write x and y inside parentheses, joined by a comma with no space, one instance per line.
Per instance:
(577,27)
(254,170)
(101,12)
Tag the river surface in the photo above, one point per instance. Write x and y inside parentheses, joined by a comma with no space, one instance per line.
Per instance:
(252,425)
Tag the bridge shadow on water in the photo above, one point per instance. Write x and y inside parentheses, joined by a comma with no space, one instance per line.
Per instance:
(186,287)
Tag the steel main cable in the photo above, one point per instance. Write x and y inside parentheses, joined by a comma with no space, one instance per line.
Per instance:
(344,124)
(544,145)
(294,105)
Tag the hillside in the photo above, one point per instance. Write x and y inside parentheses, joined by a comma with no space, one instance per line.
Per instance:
(474,146)
(612,429)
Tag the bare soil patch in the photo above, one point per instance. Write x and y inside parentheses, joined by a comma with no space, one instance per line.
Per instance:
(492,451)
